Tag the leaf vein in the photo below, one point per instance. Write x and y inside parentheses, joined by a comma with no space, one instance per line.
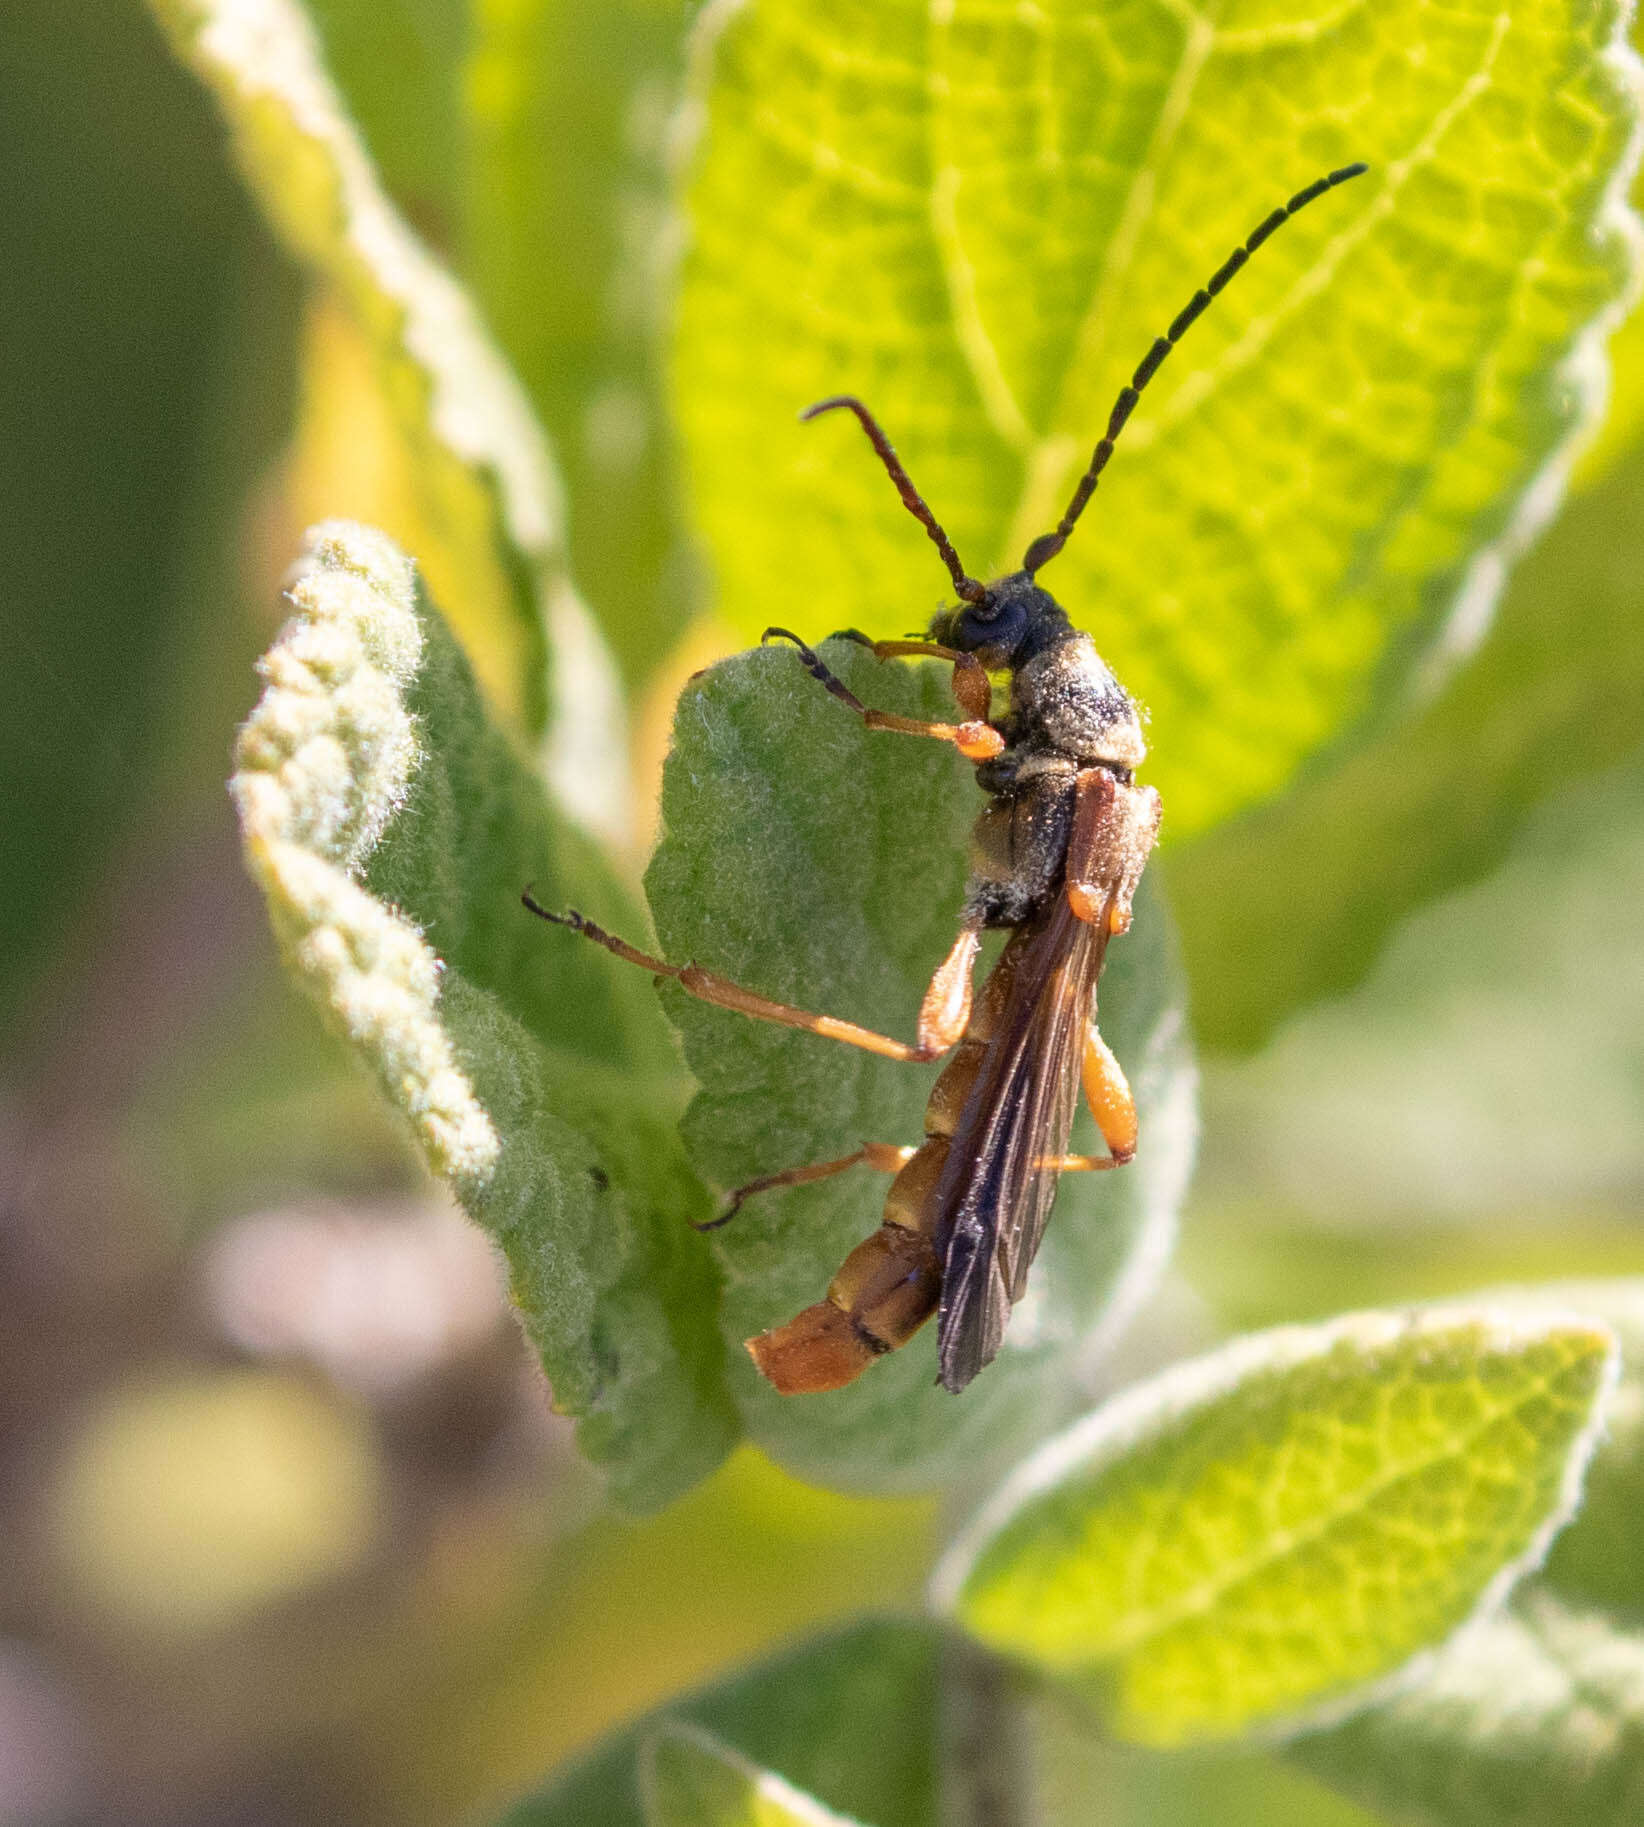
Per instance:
(1204,383)
(1199,1599)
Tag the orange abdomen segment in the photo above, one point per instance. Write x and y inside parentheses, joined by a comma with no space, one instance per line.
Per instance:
(817,1349)
(884,1292)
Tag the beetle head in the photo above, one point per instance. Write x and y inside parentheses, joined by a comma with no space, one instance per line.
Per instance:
(1006,625)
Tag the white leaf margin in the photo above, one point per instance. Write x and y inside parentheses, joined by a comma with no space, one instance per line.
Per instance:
(1128,1420)
(321,766)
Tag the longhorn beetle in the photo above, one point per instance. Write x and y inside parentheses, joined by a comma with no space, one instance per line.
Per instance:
(1056,857)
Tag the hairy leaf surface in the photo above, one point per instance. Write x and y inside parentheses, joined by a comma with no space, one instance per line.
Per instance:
(1599,1559)
(391,828)
(1304,893)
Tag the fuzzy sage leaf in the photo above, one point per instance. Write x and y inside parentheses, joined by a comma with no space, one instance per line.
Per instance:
(390,828)
(1266,1533)
(1599,1559)
(1305,892)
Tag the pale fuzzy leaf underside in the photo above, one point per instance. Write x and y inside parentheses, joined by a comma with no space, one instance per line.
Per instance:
(979,218)
(823,863)
(390,828)
(1266,1534)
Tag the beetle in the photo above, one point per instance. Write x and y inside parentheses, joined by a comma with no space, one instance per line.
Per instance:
(1056,856)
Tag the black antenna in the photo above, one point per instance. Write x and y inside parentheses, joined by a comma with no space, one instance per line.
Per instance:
(1047,545)
(966,585)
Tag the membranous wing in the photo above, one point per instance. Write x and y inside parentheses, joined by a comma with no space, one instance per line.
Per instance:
(996,1189)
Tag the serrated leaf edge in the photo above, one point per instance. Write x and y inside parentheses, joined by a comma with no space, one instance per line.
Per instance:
(766,1784)
(321,765)
(1112,1429)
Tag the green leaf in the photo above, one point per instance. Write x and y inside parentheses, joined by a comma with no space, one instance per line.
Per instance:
(689,1779)
(1262,1533)
(1535,1719)
(822,863)
(488,490)
(568,106)
(849,1718)
(979,219)
(390,828)
(1295,901)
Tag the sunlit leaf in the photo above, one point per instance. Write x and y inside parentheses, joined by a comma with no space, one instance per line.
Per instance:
(1261,1533)
(390,828)
(1599,1558)
(1624,418)
(1294,901)
(979,219)
(822,863)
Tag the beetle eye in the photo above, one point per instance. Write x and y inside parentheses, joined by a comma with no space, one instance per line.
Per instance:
(984,609)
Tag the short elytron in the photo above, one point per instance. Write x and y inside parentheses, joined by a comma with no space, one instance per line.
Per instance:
(1056,857)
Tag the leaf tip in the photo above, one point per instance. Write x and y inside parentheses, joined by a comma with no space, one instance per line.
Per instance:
(322,764)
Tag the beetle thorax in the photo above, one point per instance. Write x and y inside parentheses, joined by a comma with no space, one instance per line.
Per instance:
(1066,701)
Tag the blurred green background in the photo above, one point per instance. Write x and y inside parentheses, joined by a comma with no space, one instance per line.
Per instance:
(294,1535)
